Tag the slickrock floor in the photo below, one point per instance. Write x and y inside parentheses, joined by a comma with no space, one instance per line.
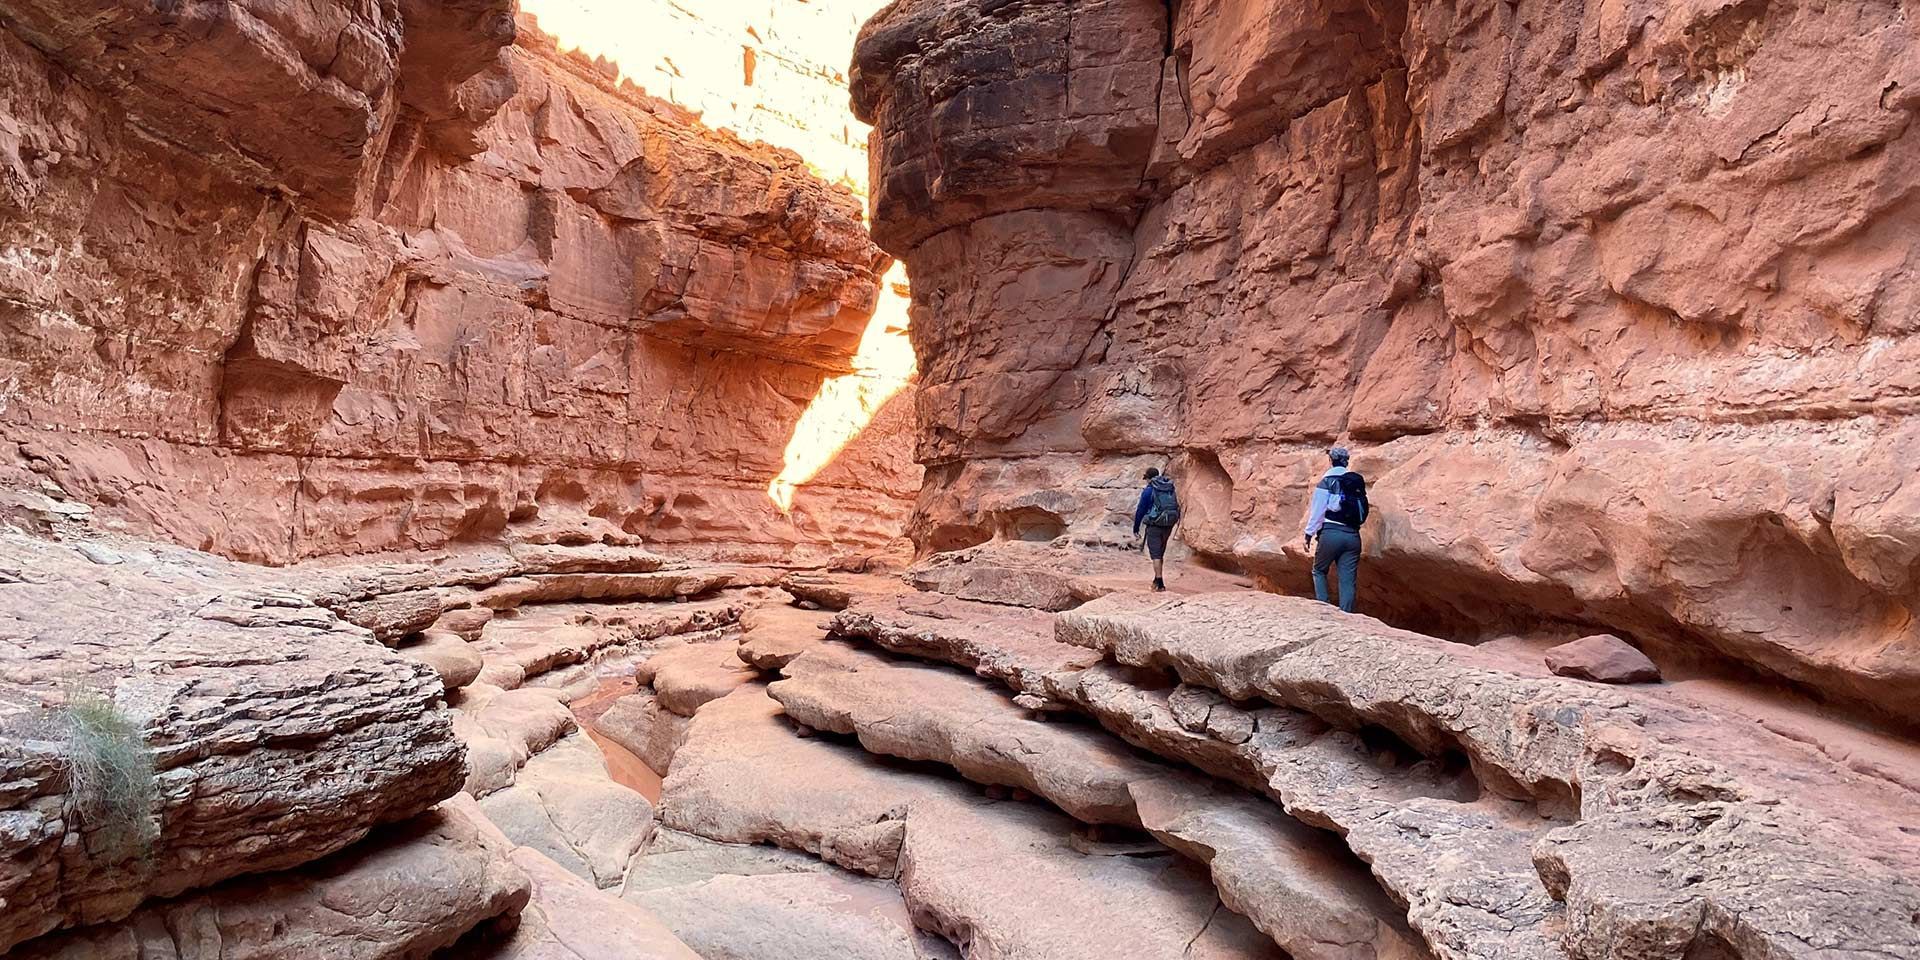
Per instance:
(987,758)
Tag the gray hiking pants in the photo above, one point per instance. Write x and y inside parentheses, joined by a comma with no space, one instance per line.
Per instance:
(1338,545)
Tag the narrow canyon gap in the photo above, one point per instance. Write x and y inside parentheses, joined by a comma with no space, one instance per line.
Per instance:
(652,480)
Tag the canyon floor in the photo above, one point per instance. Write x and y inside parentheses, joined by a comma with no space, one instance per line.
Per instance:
(560,748)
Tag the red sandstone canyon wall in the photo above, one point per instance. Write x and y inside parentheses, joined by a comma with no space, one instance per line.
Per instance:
(1618,302)
(285,281)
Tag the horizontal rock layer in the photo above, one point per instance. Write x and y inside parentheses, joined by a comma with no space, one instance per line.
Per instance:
(409,890)
(1615,302)
(169,720)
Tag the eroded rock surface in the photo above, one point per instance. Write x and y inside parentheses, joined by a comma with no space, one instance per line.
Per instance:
(1614,302)
(1627,787)
(1293,883)
(257,730)
(408,890)
(396,276)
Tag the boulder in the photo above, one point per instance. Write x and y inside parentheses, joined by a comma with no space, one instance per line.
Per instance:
(688,676)
(173,724)
(451,658)
(771,636)
(1602,658)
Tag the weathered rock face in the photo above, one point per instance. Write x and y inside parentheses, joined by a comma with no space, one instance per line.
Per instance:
(281,282)
(1615,301)
(169,721)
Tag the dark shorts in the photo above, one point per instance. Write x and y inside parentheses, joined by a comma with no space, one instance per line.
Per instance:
(1157,541)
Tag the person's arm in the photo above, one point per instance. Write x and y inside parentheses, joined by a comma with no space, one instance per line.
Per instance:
(1317,509)
(1140,511)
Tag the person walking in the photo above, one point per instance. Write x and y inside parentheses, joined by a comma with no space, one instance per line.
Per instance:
(1334,514)
(1158,511)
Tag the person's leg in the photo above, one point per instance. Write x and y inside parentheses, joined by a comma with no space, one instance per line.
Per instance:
(1157,549)
(1349,572)
(1322,558)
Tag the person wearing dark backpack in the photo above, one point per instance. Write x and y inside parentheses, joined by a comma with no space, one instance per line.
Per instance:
(1338,508)
(1158,511)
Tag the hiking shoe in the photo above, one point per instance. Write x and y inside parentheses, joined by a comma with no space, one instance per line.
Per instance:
(1159,584)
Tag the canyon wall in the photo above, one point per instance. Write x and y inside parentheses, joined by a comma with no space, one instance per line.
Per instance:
(280,282)
(1617,302)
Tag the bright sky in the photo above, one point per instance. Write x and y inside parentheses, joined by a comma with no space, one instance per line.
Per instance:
(772,70)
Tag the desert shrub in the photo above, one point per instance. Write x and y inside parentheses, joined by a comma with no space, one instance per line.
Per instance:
(110,778)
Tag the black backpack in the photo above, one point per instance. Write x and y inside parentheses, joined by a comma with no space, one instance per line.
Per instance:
(1165,511)
(1348,504)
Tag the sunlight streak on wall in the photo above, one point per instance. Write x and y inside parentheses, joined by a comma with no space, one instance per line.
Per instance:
(847,403)
(774,71)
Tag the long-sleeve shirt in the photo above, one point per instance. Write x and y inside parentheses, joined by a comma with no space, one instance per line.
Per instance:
(1322,497)
(1140,512)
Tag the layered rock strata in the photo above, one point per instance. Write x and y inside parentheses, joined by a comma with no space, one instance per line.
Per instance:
(1614,302)
(1503,811)
(338,278)
(170,723)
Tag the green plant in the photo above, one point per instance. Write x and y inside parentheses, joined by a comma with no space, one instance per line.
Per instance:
(110,779)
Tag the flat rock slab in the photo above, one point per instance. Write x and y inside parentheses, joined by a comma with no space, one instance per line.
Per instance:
(772,635)
(610,587)
(407,890)
(568,919)
(565,805)
(742,776)
(688,676)
(672,858)
(1045,576)
(780,916)
(542,639)
(1001,881)
(1298,885)
(836,591)
(585,558)
(1012,645)
(997,879)
(917,711)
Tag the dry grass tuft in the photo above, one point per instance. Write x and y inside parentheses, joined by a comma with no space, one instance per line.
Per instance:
(110,777)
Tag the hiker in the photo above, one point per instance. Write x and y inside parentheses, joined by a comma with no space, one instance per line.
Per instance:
(1338,508)
(1159,510)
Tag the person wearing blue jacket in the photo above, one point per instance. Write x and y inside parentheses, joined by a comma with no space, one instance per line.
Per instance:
(1158,511)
